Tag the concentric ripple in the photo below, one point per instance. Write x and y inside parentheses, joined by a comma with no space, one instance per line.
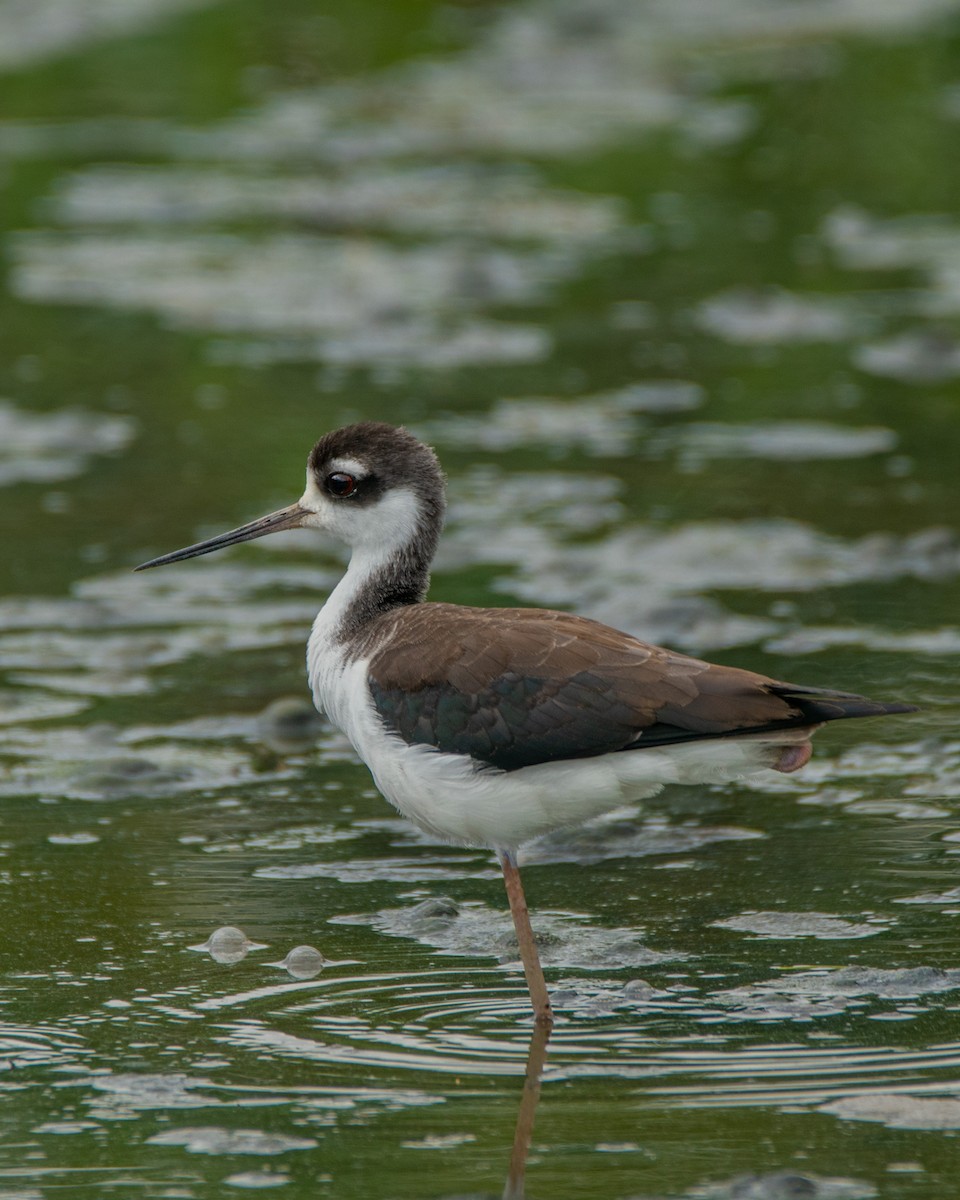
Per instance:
(477,1023)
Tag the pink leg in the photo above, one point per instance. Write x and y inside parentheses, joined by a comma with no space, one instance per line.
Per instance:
(528,947)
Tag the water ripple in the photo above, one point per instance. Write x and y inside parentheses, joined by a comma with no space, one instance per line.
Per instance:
(481,1027)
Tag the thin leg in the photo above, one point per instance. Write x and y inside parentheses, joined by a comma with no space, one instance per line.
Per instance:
(536,1057)
(528,947)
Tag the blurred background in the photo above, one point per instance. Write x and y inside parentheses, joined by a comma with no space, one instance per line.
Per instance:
(674,289)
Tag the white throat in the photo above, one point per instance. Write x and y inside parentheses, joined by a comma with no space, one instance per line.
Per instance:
(365,565)
(385,541)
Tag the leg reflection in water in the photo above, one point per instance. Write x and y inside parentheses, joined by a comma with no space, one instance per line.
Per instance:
(513,1189)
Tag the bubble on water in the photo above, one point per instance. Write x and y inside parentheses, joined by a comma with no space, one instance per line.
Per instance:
(228,944)
(639,989)
(72,839)
(303,962)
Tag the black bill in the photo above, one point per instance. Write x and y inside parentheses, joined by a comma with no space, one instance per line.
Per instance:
(286,518)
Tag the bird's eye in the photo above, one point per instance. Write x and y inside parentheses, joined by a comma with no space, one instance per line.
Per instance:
(340,484)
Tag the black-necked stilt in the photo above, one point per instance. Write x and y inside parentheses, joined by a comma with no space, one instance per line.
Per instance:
(494,725)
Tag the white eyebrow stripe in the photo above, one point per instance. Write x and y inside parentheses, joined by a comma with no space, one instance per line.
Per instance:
(347,466)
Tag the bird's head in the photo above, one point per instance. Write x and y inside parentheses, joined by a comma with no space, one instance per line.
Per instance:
(373,486)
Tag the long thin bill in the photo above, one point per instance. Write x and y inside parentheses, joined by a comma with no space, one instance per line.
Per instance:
(286,518)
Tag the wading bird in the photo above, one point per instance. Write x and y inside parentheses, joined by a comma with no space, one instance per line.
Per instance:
(491,726)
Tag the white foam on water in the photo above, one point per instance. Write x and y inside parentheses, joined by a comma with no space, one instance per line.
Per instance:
(798,925)
(44,29)
(49,447)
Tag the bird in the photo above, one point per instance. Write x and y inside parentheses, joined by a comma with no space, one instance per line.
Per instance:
(493,726)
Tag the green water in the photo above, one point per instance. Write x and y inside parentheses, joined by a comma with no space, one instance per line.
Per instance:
(674,290)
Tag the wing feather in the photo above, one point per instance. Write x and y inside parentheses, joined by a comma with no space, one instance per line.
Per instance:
(514,687)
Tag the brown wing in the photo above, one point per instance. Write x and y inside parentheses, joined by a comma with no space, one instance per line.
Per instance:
(515,687)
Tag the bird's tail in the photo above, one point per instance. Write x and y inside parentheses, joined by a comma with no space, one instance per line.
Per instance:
(820,704)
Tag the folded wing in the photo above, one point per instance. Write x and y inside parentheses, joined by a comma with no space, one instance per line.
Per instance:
(516,687)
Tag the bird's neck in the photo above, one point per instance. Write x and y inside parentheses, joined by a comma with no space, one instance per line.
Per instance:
(377,580)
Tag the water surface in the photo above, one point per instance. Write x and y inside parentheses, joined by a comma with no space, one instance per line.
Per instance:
(674,291)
